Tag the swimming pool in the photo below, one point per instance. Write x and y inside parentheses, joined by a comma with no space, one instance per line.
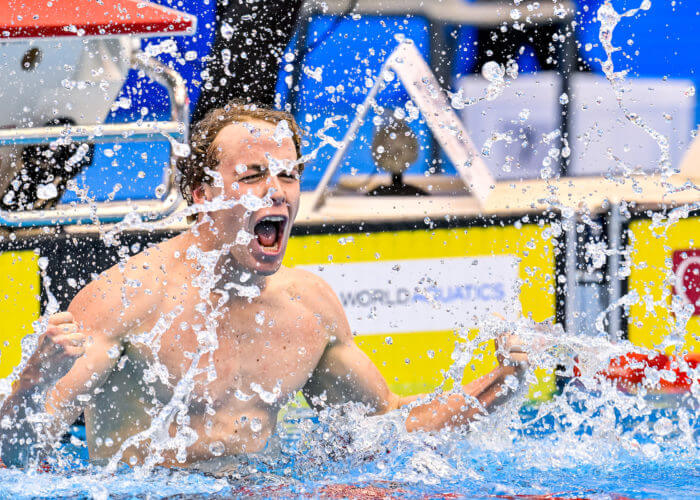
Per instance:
(588,440)
(581,444)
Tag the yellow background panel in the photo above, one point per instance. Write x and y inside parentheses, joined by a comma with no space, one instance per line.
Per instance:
(651,251)
(19,303)
(405,362)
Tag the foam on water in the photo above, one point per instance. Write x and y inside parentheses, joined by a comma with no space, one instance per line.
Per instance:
(609,19)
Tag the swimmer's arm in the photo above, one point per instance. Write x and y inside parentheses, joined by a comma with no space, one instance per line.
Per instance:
(57,394)
(57,349)
(100,313)
(345,373)
(456,410)
(480,396)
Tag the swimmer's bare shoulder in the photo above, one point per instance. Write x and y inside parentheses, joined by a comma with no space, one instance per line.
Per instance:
(105,311)
(114,302)
(320,299)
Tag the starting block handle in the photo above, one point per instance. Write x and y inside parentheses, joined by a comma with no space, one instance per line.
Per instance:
(177,129)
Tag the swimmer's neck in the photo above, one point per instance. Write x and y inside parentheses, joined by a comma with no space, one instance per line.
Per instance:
(234,278)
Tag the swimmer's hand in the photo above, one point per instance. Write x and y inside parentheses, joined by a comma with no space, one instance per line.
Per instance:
(510,351)
(57,351)
(60,346)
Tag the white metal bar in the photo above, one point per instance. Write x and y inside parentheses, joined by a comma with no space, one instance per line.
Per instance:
(107,132)
(104,212)
(482,14)
(615,285)
(570,272)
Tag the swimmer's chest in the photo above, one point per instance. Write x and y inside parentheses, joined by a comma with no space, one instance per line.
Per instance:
(260,348)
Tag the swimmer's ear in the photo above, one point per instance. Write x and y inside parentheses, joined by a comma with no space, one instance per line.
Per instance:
(199,194)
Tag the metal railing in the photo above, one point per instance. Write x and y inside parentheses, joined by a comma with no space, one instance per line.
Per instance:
(480,15)
(175,130)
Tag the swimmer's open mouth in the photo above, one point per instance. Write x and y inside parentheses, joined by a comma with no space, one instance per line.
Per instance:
(269,232)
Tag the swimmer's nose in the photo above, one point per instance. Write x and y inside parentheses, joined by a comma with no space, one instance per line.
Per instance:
(276,191)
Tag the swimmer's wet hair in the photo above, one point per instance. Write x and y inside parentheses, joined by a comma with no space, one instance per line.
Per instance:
(203,153)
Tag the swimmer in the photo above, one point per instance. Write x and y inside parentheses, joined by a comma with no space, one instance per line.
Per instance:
(91,360)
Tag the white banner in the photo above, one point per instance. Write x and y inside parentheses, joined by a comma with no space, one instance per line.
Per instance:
(602,136)
(423,295)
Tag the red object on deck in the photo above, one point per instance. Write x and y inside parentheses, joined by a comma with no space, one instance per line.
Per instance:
(629,371)
(52,18)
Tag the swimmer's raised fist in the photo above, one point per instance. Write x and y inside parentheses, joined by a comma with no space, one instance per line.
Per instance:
(61,345)
(510,350)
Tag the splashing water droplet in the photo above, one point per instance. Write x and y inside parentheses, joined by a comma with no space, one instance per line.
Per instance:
(180,149)
(255,425)
(242,396)
(217,448)
(226,30)
(244,237)
(282,131)
(663,426)
(260,317)
(492,71)
(314,73)
(46,191)
(43,263)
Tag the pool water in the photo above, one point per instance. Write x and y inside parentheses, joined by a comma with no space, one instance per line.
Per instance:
(590,441)
(540,452)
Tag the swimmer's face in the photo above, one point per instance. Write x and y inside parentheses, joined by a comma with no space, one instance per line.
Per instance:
(254,166)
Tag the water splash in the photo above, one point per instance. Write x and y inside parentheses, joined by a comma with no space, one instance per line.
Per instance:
(609,19)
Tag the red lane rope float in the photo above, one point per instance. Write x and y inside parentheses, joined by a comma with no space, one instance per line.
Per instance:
(44,466)
(630,371)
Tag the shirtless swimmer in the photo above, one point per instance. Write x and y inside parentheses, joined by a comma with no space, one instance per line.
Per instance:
(90,359)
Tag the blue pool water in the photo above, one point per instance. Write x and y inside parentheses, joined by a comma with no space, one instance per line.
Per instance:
(539,453)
